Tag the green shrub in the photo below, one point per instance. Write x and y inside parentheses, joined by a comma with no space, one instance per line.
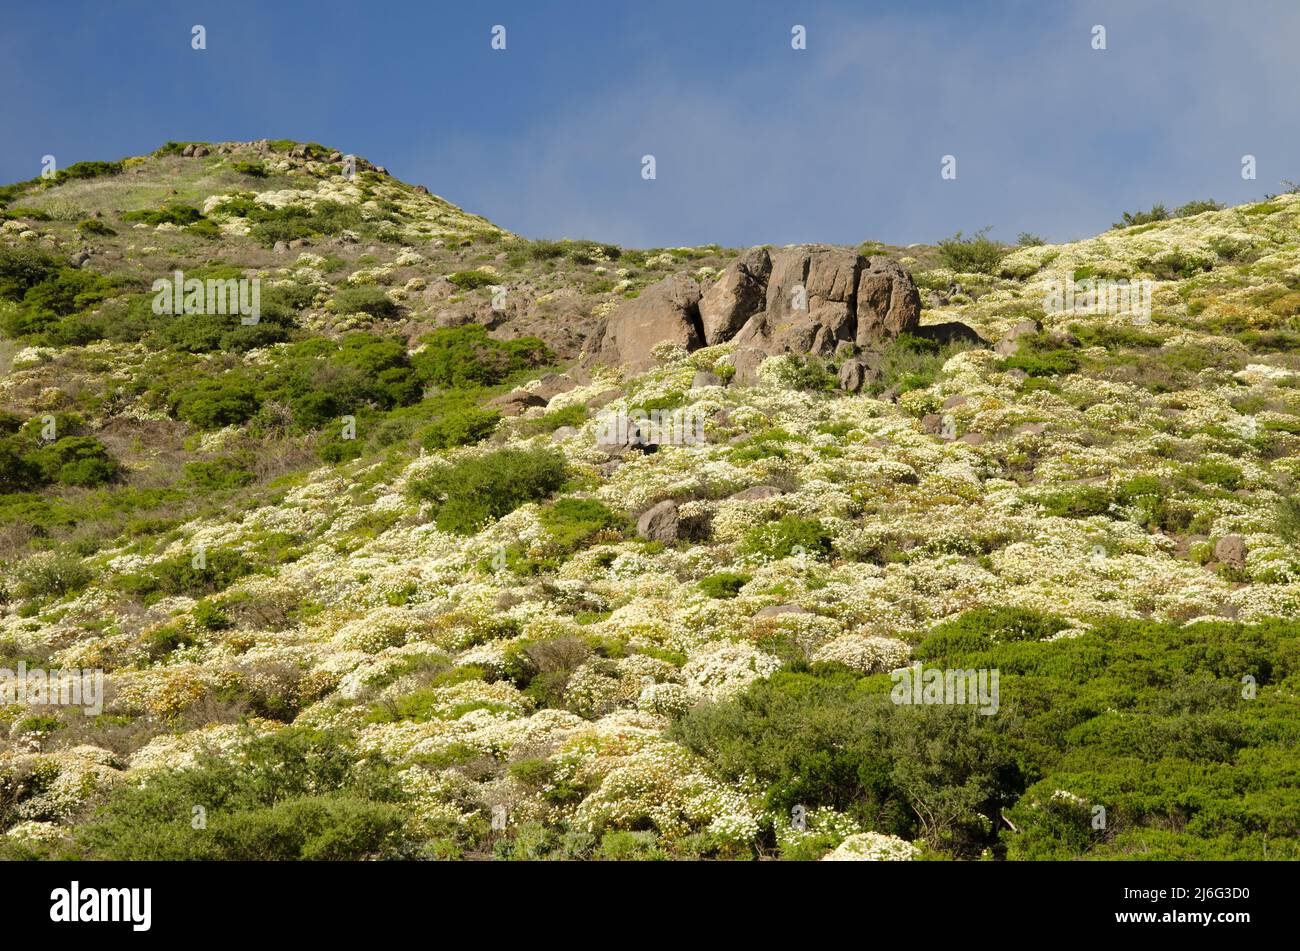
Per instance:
(87,170)
(221,567)
(1222,474)
(723,584)
(478,489)
(572,523)
(469,280)
(94,226)
(296,794)
(251,169)
(215,402)
(786,536)
(1287,520)
(53,577)
(217,474)
(974,255)
(169,214)
(461,428)
(75,460)
(295,221)
(467,357)
(366,298)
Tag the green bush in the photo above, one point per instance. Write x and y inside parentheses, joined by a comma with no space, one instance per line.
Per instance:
(168,214)
(367,298)
(87,170)
(295,221)
(572,523)
(785,536)
(75,460)
(217,474)
(176,575)
(723,584)
(296,794)
(251,169)
(974,255)
(473,491)
(94,226)
(215,402)
(461,428)
(53,577)
(467,357)
(469,280)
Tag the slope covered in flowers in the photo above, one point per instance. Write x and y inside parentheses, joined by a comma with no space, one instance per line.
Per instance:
(550,684)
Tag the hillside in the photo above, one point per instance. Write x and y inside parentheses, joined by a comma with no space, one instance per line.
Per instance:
(367,574)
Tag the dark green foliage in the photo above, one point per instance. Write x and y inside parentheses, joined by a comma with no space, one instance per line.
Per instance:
(1287,520)
(469,280)
(94,226)
(461,428)
(216,474)
(75,460)
(251,169)
(571,523)
(322,380)
(913,363)
(179,574)
(168,214)
(1148,720)
(977,254)
(466,356)
(475,490)
(1158,213)
(286,224)
(1041,355)
(724,584)
(788,535)
(219,401)
(368,298)
(296,794)
(86,170)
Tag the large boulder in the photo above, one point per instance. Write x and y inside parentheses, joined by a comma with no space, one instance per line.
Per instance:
(860,371)
(810,298)
(740,293)
(660,523)
(888,302)
(666,312)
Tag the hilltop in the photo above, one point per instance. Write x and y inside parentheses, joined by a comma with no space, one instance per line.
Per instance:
(373,568)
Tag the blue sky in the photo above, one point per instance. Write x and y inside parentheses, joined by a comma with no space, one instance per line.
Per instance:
(754,142)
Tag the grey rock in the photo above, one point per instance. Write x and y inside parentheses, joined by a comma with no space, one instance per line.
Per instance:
(755,493)
(704,378)
(664,312)
(515,403)
(659,524)
(1231,549)
(859,372)
(738,295)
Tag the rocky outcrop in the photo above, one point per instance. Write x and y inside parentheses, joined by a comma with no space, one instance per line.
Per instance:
(810,301)
(666,312)
(888,302)
(740,293)
(807,299)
